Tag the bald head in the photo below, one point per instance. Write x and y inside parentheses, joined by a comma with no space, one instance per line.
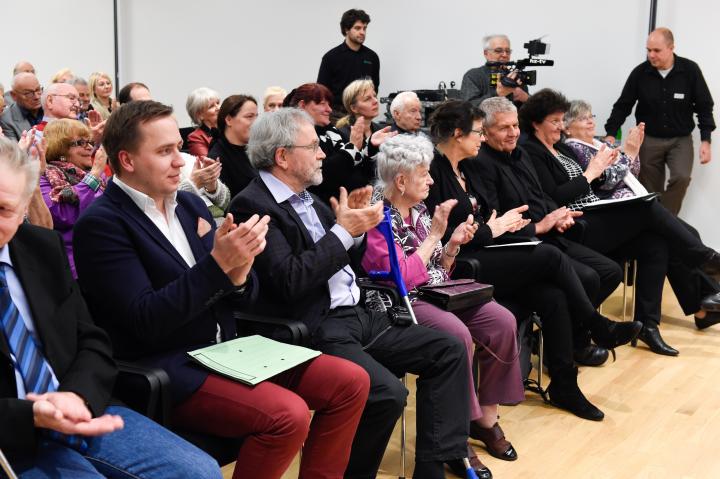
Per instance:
(661,48)
(26,91)
(23,67)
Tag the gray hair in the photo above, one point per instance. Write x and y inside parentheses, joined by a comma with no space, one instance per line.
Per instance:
(494,105)
(77,81)
(401,100)
(272,131)
(12,157)
(486,40)
(198,100)
(402,154)
(578,108)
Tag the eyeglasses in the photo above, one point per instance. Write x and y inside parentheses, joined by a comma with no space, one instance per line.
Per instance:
(478,132)
(500,51)
(585,118)
(311,147)
(72,98)
(556,123)
(83,143)
(31,93)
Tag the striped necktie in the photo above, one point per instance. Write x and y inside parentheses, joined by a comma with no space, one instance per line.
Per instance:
(33,367)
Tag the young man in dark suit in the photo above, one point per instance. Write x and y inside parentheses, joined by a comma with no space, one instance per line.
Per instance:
(305,273)
(56,369)
(162,282)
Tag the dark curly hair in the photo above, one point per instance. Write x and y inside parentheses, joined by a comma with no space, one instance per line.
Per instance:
(350,17)
(449,116)
(541,104)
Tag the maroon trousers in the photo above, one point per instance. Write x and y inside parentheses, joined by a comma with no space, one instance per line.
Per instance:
(274,417)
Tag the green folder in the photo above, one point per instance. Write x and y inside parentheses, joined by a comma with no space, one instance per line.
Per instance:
(252,359)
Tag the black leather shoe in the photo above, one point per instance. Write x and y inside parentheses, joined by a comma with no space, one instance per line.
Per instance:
(458,468)
(650,335)
(711,265)
(711,303)
(494,440)
(709,319)
(611,334)
(591,355)
(565,393)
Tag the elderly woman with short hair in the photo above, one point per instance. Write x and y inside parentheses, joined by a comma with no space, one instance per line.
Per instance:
(202,105)
(73,179)
(618,180)
(406,112)
(403,165)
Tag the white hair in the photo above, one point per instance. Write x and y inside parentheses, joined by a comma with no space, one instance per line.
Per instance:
(402,154)
(198,100)
(12,157)
(486,40)
(494,105)
(401,100)
(274,130)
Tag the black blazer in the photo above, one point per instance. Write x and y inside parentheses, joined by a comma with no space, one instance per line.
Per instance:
(143,293)
(293,270)
(446,187)
(553,177)
(78,351)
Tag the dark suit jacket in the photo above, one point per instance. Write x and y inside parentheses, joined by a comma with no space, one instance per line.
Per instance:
(13,122)
(143,293)
(78,351)
(293,270)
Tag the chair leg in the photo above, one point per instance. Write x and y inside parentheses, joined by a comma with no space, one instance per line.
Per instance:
(626,268)
(540,358)
(634,288)
(402,436)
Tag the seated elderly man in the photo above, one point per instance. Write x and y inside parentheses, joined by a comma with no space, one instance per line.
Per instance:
(57,418)
(305,274)
(22,66)
(163,281)
(27,111)
(484,82)
(405,109)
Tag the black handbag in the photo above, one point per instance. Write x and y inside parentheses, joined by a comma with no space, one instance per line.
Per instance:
(456,294)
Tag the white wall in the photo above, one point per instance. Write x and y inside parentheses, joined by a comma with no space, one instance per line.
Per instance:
(242,47)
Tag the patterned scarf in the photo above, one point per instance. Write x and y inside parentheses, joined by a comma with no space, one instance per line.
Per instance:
(62,176)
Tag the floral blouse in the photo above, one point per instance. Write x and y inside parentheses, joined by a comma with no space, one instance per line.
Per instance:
(611,184)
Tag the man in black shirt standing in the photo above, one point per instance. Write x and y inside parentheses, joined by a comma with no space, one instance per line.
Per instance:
(350,60)
(667,89)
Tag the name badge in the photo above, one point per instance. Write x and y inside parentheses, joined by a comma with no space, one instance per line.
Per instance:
(679,96)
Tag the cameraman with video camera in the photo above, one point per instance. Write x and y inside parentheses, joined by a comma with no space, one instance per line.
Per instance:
(484,82)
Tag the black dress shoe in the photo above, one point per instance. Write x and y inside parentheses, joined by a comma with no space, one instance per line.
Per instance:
(709,319)
(711,303)
(494,439)
(458,467)
(565,393)
(711,265)
(611,334)
(591,355)
(650,335)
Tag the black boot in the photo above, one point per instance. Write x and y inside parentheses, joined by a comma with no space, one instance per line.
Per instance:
(565,393)
(611,334)
(591,355)
(650,335)
(711,264)
(711,318)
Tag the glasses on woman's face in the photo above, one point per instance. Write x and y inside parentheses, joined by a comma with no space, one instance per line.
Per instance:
(556,123)
(589,117)
(83,143)
(479,132)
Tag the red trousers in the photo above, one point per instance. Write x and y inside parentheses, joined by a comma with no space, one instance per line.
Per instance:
(274,417)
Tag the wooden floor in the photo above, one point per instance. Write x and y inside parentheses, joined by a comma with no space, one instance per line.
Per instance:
(662,416)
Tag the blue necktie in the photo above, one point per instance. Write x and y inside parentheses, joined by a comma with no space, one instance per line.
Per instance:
(33,367)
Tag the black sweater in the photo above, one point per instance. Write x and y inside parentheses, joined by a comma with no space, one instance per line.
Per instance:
(237,171)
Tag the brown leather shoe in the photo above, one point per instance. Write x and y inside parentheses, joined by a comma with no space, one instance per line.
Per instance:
(494,439)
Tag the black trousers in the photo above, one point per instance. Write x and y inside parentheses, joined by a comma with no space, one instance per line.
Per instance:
(662,244)
(386,352)
(545,280)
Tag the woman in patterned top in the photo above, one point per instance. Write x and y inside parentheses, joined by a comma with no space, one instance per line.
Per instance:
(346,163)
(619,180)
(404,182)
(642,230)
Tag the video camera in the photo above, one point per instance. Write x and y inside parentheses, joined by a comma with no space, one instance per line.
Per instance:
(502,70)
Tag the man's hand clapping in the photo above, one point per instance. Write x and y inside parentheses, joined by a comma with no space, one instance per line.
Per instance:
(236,246)
(356,221)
